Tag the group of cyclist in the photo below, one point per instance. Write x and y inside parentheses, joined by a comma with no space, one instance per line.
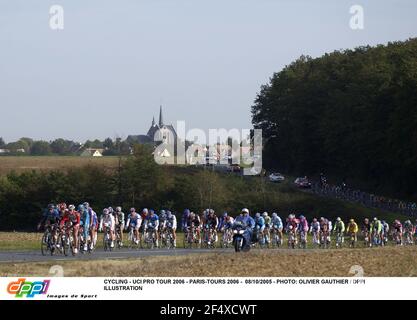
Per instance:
(83,223)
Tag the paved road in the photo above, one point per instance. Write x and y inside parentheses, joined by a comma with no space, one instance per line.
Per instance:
(36,256)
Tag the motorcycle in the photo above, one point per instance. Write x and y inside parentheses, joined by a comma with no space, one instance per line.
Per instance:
(240,242)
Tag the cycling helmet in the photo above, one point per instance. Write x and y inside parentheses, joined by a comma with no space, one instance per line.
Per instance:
(265,214)
(162,212)
(366,220)
(151,211)
(338,219)
(169,214)
(71,207)
(314,219)
(106,211)
(225,215)
(274,215)
(302,217)
(211,211)
(351,221)
(86,204)
(62,206)
(186,212)
(81,208)
(132,209)
(118,209)
(145,211)
(245,210)
(375,219)
(111,210)
(51,206)
(258,215)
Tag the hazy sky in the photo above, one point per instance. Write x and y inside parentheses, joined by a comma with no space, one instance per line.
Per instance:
(115,62)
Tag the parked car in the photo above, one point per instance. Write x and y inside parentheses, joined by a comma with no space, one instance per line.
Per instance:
(276,177)
(303,182)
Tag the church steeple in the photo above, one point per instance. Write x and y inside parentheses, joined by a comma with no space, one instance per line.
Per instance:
(161,120)
(153,121)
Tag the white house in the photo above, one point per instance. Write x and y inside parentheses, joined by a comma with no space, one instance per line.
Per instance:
(90,152)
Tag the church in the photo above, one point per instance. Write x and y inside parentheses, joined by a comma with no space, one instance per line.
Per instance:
(158,132)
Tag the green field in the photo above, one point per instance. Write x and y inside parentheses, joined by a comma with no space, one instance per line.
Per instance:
(47,163)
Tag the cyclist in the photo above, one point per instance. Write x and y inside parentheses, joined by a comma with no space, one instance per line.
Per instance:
(408,232)
(366,230)
(259,227)
(62,209)
(211,223)
(107,221)
(325,229)
(385,232)
(339,229)
(162,223)
(376,230)
(267,231)
(276,224)
(50,217)
(120,223)
(185,216)
(352,230)
(134,220)
(50,221)
(93,229)
(193,222)
(171,224)
(152,222)
(143,215)
(398,232)
(302,229)
(315,230)
(222,221)
(71,219)
(84,210)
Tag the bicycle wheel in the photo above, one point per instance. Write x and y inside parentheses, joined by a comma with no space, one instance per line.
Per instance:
(45,244)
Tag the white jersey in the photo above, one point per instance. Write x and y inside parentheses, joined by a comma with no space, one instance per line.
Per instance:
(107,221)
(171,222)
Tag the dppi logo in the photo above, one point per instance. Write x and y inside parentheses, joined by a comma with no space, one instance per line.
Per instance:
(21,288)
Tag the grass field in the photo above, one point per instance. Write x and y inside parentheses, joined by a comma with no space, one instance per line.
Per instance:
(46,163)
(376,262)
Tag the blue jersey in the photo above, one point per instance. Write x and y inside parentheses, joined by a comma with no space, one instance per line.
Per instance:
(51,216)
(260,222)
(153,221)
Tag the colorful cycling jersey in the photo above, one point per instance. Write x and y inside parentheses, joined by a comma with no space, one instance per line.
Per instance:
(267,221)
(120,221)
(303,225)
(293,223)
(259,222)
(193,221)
(50,216)
(151,221)
(94,219)
(352,227)
(315,226)
(229,222)
(339,226)
(107,221)
(326,225)
(171,222)
(72,217)
(376,226)
(134,220)
(398,227)
(277,223)
(211,222)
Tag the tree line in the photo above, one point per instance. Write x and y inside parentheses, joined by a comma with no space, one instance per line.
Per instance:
(63,147)
(351,114)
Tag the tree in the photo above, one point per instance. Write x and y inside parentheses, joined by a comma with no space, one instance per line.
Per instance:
(2,143)
(62,147)
(349,113)
(40,148)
